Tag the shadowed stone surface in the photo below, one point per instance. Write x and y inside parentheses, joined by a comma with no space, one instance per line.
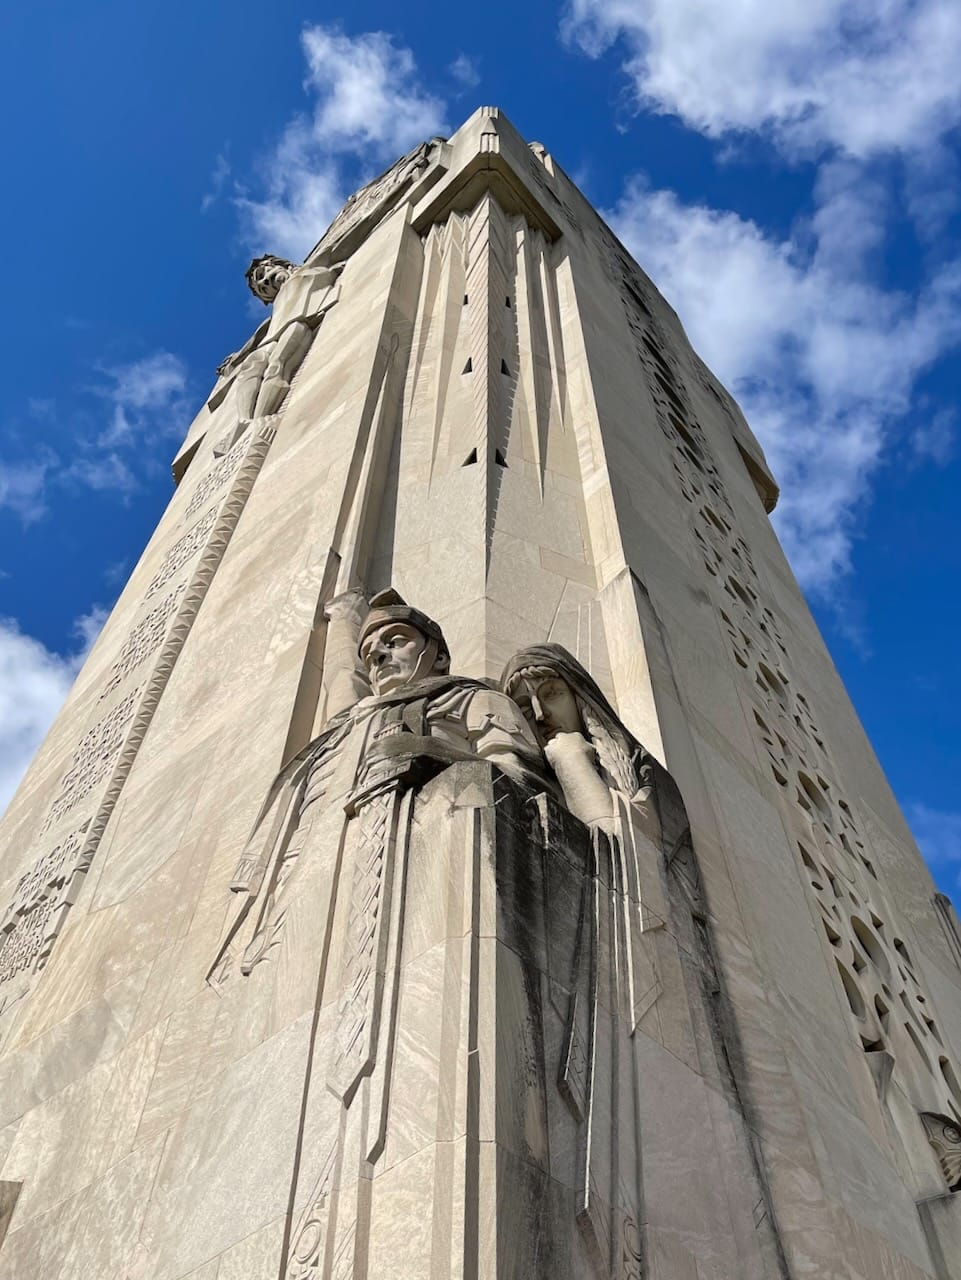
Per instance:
(559,923)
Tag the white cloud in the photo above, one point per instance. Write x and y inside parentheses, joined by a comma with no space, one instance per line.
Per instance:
(368,92)
(465,72)
(146,401)
(938,833)
(147,396)
(822,360)
(935,439)
(101,473)
(218,180)
(861,75)
(369,107)
(23,485)
(87,629)
(33,684)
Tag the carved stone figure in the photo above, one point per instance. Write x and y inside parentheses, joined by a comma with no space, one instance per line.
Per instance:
(944,1135)
(262,370)
(600,766)
(612,784)
(417,719)
(327,859)
(370,203)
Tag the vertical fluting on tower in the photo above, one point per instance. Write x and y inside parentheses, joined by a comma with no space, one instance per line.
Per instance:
(493,340)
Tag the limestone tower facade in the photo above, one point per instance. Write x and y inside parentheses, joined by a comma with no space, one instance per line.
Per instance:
(458,856)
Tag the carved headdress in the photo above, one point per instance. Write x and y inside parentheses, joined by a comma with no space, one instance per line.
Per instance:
(389,606)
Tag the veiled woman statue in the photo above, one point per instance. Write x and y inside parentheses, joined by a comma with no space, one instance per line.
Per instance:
(606,775)
(631,804)
(644,936)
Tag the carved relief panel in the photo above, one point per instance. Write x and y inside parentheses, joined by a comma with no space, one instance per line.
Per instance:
(93,757)
(878,978)
(36,914)
(101,760)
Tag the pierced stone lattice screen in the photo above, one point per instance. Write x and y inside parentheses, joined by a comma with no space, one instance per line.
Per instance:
(876,972)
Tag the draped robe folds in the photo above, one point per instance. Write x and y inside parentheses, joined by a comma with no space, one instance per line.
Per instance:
(319,897)
(614,982)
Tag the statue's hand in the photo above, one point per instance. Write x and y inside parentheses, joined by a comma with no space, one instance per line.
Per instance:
(574,760)
(564,747)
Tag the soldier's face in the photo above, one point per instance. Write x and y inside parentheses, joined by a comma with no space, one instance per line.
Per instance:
(392,655)
(268,280)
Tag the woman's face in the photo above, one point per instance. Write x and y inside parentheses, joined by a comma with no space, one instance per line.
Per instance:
(550,706)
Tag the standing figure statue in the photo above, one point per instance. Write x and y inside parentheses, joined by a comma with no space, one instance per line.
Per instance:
(644,916)
(318,896)
(631,805)
(262,370)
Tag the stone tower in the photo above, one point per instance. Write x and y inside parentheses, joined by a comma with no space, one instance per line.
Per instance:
(458,856)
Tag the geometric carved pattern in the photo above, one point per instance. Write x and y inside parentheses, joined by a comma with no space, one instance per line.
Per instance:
(216,478)
(93,757)
(630,1268)
(111,746)
(356,1006)
(143,640)
(877,971)
(36,914)
(679,424)
(536,169)
(878,976)
(181,552)
(221,529)
(945,1139)
(308,1247)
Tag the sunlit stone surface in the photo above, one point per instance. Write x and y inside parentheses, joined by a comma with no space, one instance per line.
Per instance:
(458,856)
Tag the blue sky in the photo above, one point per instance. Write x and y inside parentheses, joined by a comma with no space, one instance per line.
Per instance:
(788,174)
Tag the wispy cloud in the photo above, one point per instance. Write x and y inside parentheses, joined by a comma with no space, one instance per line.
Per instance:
(465,72)
(935,440)
(368,107)
(102,448)
(23,485)
(33,684)
(823,360)
(103,473)
(87,630)
(810,74)
(145,395)
(218,180)
(938,833)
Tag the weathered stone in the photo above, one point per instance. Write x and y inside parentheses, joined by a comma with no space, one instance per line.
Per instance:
(322,955)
